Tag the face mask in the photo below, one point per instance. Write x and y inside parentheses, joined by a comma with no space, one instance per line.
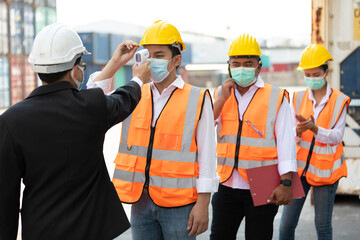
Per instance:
(314,83)
(78,83)
(159,69)
(243,77)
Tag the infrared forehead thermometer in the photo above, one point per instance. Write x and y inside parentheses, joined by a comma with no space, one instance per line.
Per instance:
(141,56)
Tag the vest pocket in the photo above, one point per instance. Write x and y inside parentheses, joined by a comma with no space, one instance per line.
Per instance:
(142,123)
(126,165)
(178,178)
(324,162)
(262,153)
(221,149)
(127,162)
(170,141)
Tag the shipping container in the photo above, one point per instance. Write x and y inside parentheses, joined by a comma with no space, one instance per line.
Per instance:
(99,46)
(45,3)
(90,69)
(40,2)
(336,25)
(4,42)
(115,41)
(16,9)
(120,77)
(186,55)
(51,3)
(28,34)
(44,16)
(22,78)
(4,82)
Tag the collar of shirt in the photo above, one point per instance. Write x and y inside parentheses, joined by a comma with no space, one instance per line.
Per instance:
(324,100)
(178,83)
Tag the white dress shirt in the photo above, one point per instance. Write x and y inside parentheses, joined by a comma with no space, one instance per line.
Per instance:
(285,141)
(327,136)
(208,180)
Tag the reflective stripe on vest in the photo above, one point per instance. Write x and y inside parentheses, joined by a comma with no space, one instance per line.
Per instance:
(325,162)
(171,173)
(263,139)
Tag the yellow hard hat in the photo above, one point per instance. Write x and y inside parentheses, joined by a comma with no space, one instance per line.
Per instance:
(163,33)
(244,45)
(314,56)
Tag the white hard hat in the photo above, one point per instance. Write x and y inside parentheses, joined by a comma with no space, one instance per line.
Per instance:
(55,49)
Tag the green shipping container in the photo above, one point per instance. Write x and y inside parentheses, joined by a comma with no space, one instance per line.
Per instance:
(44,16)
(120,78)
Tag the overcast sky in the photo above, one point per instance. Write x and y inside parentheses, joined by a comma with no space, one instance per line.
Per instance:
(227,18)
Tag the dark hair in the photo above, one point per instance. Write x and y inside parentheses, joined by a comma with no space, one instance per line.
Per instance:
(54,77)
(245,56)
(174,52)
(324,67)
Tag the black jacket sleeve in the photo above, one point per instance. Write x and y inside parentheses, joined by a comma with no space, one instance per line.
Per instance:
(10,178)
(121,103)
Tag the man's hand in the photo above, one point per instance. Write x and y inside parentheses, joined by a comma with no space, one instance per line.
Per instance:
(282,194)
(124,52)
(142,71)
(199,215)
(226,87)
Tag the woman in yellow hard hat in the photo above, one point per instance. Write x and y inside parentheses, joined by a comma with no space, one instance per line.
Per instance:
(319,121)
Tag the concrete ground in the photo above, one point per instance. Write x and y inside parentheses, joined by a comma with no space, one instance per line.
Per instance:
(346,221)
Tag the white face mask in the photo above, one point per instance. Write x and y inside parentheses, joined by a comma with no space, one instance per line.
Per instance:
(77,82)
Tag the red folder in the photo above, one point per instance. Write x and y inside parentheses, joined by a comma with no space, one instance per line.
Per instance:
(263,180)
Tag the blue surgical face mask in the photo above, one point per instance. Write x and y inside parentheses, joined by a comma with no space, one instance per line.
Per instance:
(159,69)
(314,83)
(242,76)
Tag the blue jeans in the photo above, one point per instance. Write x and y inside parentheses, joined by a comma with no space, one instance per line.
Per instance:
(324,197)
(149,221)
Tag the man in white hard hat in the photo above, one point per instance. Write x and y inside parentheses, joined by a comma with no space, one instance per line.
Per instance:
(53,142)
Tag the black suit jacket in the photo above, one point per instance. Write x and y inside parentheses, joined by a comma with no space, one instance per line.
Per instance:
(53,140)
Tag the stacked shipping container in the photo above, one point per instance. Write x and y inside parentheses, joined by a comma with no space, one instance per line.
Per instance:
(20,20)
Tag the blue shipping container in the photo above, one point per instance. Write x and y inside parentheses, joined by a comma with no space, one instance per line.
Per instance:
(16,9)
(4,82)
(90,69)
(4,47)
(186,55)
(99,46)
(29,28)
(115,41)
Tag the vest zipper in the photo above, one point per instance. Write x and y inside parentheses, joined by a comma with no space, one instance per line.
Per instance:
(238,141)
(152,135)
(309,157)
(238,137)
(149,154)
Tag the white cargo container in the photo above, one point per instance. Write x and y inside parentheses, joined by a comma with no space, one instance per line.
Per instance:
(336,25)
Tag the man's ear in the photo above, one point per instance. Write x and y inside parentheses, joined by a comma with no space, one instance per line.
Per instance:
(258,68)
(178,60)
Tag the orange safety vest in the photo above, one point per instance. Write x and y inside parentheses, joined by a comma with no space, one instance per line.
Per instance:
(251,142)
(322,164)
(163,157)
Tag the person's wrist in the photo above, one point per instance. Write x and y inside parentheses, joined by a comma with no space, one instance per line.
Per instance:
(285,182)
